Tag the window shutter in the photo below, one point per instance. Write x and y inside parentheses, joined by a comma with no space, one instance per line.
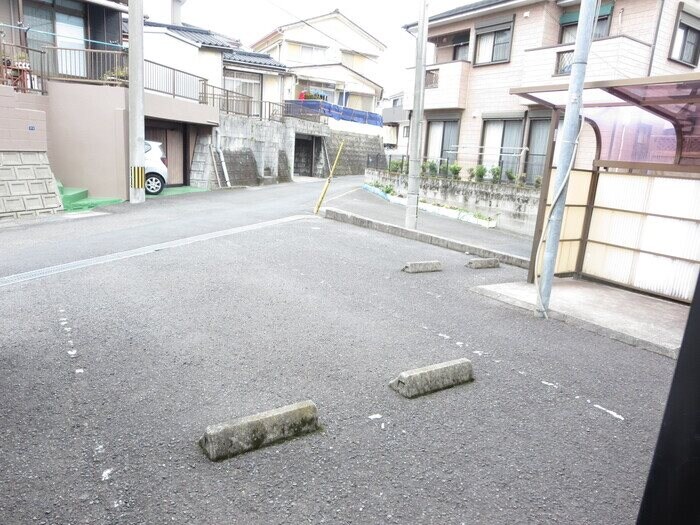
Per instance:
(495,24)
(690,20)
(572,16)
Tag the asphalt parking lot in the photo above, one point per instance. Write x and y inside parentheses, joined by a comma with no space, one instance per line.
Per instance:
(110,374)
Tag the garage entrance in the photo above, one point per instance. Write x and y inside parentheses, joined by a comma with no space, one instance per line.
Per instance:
(172,137)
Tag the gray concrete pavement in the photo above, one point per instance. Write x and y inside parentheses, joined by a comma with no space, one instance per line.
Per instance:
(363,203)
(111,373)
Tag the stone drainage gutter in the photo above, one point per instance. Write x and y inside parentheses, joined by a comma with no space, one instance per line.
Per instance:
(428,238)
(452,213)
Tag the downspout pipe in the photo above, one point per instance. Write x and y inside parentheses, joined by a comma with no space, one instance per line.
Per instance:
(217,133)
(656,36)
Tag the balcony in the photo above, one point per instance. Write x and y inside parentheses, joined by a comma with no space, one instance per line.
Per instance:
(394,115)
(445,86)
(611,58)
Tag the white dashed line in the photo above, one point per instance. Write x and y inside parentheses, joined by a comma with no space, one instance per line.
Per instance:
(613,414)
(106,474)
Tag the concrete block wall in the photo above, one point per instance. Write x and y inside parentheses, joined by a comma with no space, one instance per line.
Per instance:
(357,147)
(202,174)
(27,185)
(515,207)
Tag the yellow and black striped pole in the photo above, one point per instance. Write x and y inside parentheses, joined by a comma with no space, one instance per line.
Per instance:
(328,180)
(138,177)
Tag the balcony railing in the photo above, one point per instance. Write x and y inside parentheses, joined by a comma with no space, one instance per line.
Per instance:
(234,103)
(445,85)
(28,69)
(87,65)
(173,82)
(614,57)
(23,68)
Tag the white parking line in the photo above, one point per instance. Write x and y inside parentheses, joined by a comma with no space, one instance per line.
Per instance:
(84,263)
(342,195)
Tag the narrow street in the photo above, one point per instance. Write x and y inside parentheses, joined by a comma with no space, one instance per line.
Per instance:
(111,372)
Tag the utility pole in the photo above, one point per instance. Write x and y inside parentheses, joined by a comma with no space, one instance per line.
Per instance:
(416,129)
(137,132)
(569,134)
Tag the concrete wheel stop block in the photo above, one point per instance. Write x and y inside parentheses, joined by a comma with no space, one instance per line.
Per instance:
(421,381)
(478,264)
(248,433)
(422,267)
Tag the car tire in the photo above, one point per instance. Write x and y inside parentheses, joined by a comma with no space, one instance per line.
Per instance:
(154,184)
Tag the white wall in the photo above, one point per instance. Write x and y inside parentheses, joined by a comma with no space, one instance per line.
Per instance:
(271,88)
(158,10)
(164,48)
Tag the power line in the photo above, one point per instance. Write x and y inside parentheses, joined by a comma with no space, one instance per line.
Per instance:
(322,32)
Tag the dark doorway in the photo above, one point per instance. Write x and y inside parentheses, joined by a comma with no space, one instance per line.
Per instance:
(303,157)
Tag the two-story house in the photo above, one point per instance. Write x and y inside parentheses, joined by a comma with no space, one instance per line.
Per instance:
(333,59)
(485,48)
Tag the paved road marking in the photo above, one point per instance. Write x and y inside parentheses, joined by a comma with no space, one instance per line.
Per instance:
(84,263)
(342,195)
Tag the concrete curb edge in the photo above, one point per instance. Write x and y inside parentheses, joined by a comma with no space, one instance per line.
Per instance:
(581,323)
(428,238)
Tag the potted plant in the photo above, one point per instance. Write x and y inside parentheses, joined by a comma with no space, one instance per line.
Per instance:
(495,174)
(454,170)
(510,175)
(479,173)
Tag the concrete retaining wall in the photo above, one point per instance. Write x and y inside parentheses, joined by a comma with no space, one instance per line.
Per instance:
(262,152)
(27,185)
(514,207)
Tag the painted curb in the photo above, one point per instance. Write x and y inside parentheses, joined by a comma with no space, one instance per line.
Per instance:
(428,238)
(376,191)
(421,381)
(248,433)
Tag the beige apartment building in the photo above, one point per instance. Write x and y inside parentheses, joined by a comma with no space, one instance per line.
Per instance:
(482,50)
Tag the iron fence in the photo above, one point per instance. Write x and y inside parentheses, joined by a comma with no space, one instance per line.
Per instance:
(516,167)
(23,68)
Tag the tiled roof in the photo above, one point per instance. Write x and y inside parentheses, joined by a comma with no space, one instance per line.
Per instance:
(202,37)
(248,58)
(474,6)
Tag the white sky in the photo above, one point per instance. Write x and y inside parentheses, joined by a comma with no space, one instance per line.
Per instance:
(249,21)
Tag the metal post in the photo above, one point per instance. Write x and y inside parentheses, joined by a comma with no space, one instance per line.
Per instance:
(570,129)
(416,129)
(137,132)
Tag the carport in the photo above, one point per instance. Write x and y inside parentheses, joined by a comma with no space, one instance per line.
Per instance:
(632,217)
